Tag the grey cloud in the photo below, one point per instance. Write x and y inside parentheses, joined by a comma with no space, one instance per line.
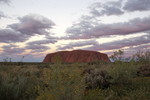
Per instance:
(37,48)
(118,44)
(86,30)
(12,50)
(111,11)
(109,8)
(10,35)
(4,1)
(33,24)
(122,43)
(137,5)
(29,25)
(90,26)
(139,47)
(85,25)
(119,7)
(77,44)
(42,42)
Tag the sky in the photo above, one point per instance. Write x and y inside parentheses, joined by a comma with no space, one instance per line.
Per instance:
(30,29)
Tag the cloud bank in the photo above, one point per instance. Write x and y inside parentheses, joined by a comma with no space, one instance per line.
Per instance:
(137,5)
(33,24)
(90,26)
(81,31)
(118,44)
(28,25)
(119,7)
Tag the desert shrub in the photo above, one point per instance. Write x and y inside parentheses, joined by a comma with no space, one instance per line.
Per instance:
(140,89)
(96,78)
(13,88)
(106,94)
(94,94)
(144,71)
(18,83)
(61,83)
(123,73)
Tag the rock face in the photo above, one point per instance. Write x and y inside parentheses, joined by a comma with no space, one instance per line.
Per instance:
(76,56)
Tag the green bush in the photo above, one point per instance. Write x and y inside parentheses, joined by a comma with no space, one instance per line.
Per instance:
(96,78)
(123,73)
(62,83)
(144,71)
(18,83)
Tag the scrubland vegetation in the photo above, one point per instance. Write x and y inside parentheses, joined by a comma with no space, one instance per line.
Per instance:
(85,81)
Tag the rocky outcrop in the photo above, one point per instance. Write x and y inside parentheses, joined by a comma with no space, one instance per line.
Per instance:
(76,56)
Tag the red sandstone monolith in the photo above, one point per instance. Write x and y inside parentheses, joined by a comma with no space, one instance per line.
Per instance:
(76,56)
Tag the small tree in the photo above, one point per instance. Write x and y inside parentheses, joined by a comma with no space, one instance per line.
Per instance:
(117,55)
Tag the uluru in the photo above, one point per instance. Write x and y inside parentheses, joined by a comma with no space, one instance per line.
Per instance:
(76,56)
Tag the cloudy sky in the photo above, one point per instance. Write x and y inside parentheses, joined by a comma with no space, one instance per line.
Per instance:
(34,28)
